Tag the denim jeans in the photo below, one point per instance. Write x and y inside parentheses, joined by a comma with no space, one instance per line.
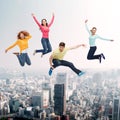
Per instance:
(57,63)
(46,46)
(23,57)
(91,53)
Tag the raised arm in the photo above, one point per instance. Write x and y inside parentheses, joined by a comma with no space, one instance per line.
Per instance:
(51,22)
(36,20)
(77,46)
(28,37)
(86,26)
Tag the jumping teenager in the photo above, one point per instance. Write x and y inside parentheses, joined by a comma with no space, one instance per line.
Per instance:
(22,43)
(56,59)
(92,38)
(45,28)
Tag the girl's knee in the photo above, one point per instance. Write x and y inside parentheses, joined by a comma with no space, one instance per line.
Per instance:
(50,50)
(71,64)
(89,57)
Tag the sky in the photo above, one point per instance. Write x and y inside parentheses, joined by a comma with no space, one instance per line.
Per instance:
(68,27)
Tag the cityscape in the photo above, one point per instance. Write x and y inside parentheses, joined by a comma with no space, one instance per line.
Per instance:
(63,96)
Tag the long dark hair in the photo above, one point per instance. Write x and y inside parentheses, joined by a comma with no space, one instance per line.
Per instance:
(42,22)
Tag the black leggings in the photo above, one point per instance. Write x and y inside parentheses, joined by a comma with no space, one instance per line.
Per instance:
(57,63)
(91,53)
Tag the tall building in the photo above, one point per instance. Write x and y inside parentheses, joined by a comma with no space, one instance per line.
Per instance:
(116,109)
(45,98)
(62,78)
(46,86)
(59,99)
(8,81)
(41,99)
(36,100)
(14,105)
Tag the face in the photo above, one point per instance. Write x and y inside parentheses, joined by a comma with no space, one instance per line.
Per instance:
(61,48)
(22,36)
(44,22)
(93,30)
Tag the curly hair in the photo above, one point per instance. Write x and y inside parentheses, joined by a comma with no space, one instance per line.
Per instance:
(24,32)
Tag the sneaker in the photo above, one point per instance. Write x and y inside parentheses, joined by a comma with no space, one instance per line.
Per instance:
(100,59)
(34,52)
(81,73)
(102,55)
(16,53)
(50,71)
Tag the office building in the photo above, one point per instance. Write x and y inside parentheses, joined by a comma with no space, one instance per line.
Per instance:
(36,100)
(116,109)
(62,78)
(59,99)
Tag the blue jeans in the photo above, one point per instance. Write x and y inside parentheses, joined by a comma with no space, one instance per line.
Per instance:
(57,63)
(46,46)
(23,57)
(91,53)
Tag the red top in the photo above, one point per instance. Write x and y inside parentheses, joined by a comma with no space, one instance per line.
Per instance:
(44,29)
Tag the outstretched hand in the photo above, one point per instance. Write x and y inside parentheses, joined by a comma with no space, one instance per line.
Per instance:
(111,40)
(53,14)
(6,51)
(52,67)
(84,45)
(86,21)
(32,14)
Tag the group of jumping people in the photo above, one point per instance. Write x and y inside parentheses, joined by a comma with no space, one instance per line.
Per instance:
(56,58)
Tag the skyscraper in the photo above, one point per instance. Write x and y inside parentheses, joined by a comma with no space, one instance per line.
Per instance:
(59,99)
(36,100)
(45,98)
(116,109)
(62,78)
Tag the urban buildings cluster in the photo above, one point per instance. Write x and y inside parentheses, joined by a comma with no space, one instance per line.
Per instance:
(64,96)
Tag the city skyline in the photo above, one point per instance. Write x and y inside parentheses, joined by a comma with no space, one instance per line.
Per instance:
(68,26)
(23,96)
